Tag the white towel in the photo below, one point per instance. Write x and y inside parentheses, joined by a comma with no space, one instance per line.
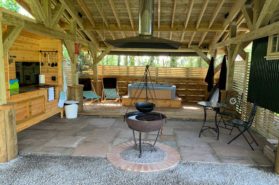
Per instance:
(50,93)
(62,99)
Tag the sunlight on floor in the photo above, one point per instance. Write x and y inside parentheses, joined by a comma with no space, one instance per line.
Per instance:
(190,107)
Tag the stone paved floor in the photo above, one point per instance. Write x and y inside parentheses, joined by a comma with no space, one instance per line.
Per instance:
(95,136)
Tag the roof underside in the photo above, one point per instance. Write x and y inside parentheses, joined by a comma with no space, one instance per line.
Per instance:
(191,22)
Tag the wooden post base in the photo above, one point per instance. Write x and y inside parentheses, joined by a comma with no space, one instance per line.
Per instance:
(276,169)
(75,93)
(8,135)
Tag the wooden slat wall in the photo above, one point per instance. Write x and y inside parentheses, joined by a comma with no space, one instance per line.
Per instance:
(266,122)
(189,81)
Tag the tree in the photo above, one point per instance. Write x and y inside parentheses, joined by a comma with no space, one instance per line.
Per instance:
(10,5)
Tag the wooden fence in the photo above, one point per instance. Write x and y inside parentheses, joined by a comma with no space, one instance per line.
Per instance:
(189,81)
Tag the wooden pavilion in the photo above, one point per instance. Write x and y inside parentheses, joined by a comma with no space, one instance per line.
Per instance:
(203,27)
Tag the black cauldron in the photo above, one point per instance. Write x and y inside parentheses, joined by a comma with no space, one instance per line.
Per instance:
(145,106)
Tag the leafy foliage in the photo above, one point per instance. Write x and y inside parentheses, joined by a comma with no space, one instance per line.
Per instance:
(10,5)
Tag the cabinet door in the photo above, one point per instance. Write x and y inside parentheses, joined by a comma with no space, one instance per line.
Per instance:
(37,106)
(22,111)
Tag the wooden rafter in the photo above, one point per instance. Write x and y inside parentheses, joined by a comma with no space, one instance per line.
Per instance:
(86,11)
(116,15)
(201,54)
(265,31)
(102,55)
(216,11)
(190,8)
(103,17)
(163,28)
(182,50)
(269,7)
(73,12)
(202,38)
(10,36)
(37,10)
(202,13)
(191,40)
(129,14)
(173,16)
(248,17)
(232,14)
(159,16)
(57,14)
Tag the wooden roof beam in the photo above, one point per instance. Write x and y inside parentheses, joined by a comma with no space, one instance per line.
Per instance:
(248,17)
(129,14)
(57,14)
(12,18)
(159,16)
(268,9)
(265,31)
(202,13)
(73,12)
(116,16)
(191,40)
(10,37)
(103,17)
(190,8)
(232,14)
(37,10)
(86,11)
(173,16)
(216,11)
(201,54)
(163,28)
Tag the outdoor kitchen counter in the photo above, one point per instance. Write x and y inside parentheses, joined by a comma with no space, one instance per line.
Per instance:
(30,107)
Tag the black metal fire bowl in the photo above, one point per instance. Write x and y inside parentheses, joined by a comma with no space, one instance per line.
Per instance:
(145,106)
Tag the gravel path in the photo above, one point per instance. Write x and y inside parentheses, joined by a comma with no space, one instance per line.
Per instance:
(47,170)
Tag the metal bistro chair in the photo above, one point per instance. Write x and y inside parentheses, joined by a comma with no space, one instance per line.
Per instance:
(227,112)
(244,126)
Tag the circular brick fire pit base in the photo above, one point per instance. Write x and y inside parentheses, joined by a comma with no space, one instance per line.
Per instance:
(171,159)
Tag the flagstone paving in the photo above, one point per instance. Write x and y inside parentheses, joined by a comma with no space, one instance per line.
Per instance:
(95,137)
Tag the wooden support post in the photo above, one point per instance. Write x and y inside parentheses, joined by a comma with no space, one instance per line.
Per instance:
(95,78)
(70,45)
(8,135)
(231,49)
(3,97)
(276,169)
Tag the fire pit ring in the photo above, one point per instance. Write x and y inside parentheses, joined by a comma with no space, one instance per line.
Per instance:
(145,122)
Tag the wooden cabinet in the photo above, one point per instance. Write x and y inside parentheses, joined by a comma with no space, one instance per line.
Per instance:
(33,107)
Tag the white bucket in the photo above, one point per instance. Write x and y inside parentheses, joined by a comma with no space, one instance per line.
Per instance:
(71,111)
